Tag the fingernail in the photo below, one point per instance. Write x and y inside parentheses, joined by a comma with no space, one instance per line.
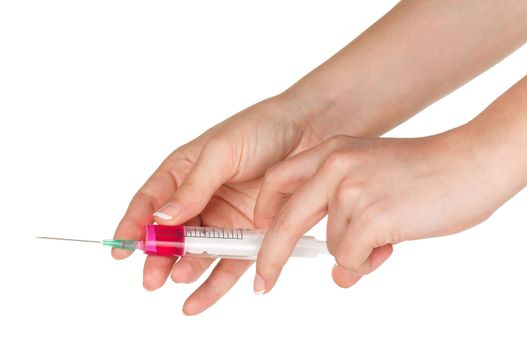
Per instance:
(259,285)
(168,211)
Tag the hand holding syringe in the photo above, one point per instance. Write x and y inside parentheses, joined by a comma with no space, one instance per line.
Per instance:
(182,240)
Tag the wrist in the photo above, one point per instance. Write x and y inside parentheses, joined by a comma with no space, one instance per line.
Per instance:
(490,159)
(338,99)
(322,112)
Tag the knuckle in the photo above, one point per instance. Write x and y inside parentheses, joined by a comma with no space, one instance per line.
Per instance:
(214,290)
(144,197)
(173,159)
(190,188)
(344,260)
(286,227)
(268,266)
(343,159)
(216,142)
(190,195)
(331,245)
(349,189)
(283,177)
(336,161)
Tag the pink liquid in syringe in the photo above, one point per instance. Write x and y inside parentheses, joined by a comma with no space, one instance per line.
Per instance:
(165,240)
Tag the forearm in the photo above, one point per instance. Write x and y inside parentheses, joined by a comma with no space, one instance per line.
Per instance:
(415,54)
(498,138)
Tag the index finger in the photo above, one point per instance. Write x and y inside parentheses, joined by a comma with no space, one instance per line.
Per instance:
(301,212)
(157,190)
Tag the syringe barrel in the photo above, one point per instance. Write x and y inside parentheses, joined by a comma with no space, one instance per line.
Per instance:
(216,242)
(164,240)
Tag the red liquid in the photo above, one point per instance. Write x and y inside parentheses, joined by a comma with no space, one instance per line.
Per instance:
(162,233)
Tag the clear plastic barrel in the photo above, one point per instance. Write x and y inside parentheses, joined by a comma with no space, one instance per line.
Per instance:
(217,242)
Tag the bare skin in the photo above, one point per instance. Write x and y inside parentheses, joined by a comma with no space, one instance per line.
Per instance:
(417,53)
(378,192)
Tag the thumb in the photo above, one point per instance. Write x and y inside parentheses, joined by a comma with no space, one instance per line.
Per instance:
(210,171)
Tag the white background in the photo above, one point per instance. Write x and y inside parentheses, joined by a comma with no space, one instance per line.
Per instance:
(94,94)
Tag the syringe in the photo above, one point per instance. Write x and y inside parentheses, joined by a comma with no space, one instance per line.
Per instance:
(182,240)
